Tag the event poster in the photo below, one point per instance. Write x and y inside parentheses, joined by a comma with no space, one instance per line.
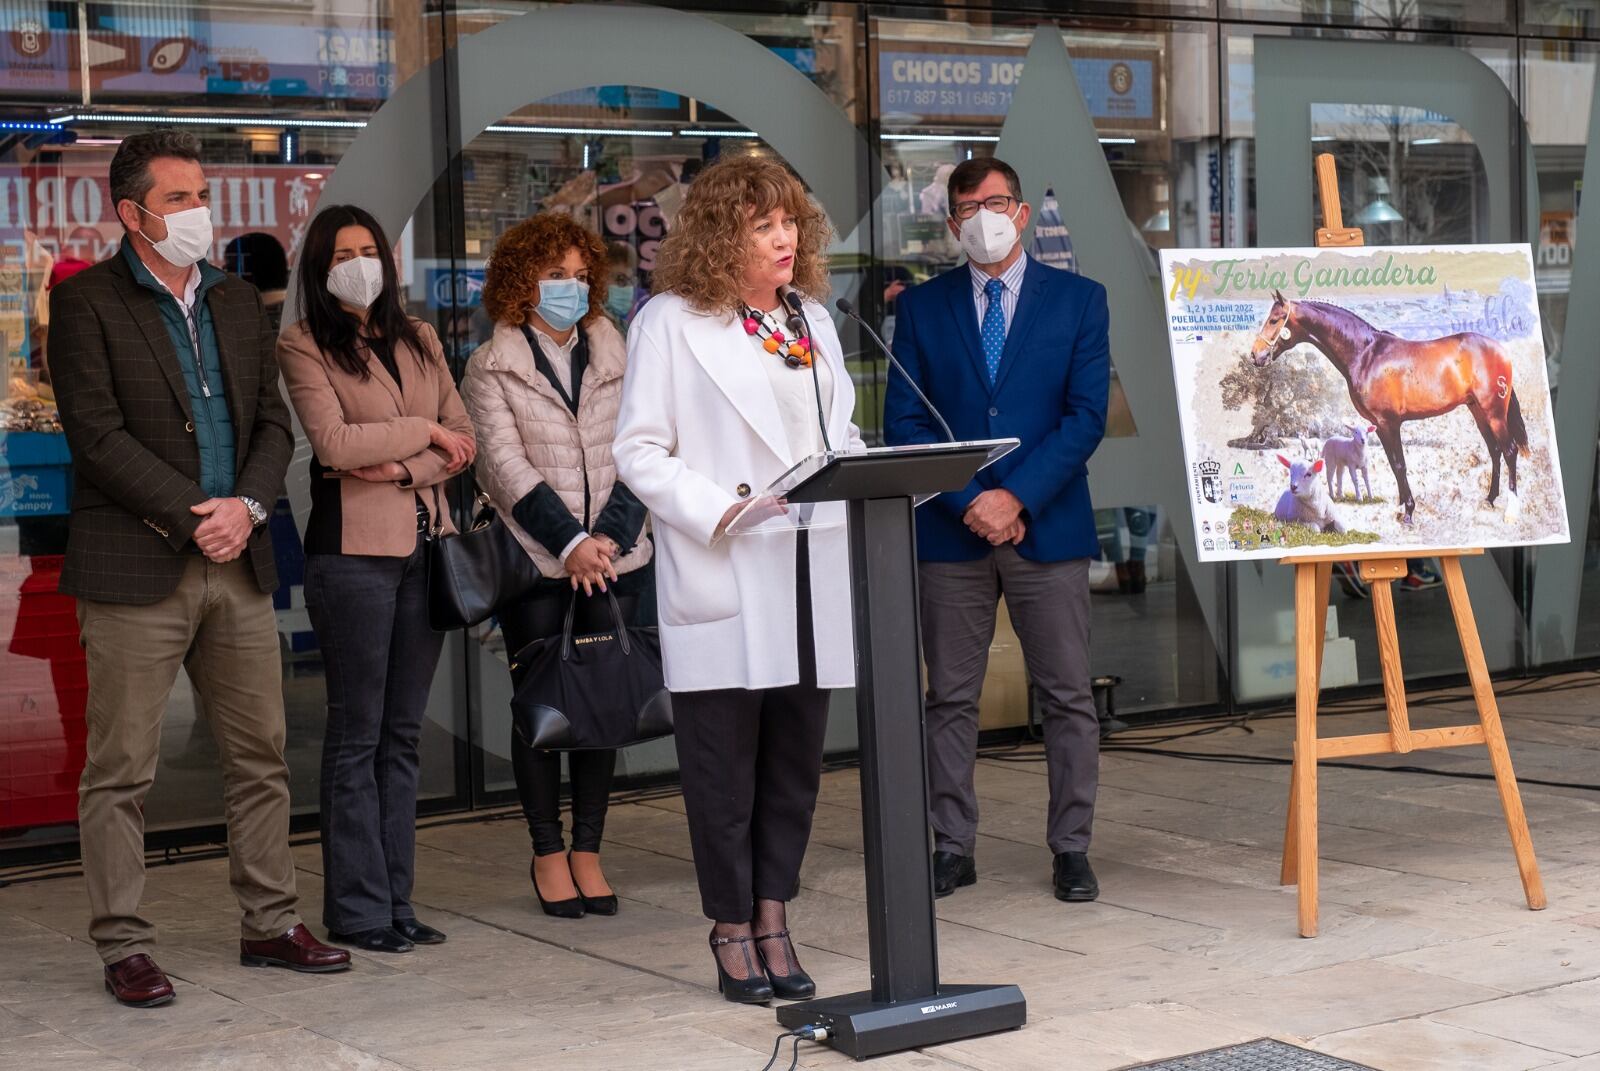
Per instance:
(1380,399)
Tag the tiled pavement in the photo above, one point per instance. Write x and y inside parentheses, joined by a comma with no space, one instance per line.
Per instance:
(1427,959)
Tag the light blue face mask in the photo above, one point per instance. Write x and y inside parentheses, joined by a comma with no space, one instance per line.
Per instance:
(562,302)
(619,301)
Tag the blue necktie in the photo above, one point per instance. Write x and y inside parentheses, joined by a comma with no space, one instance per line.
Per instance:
(994,327)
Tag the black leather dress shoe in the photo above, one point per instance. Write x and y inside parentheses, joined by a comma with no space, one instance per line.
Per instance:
(952,871)
(1074,878)
(382,939)
(417,933)
(138,982)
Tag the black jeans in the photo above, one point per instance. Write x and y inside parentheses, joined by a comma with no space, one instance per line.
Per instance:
(371,618)
(590,773)
(750,762)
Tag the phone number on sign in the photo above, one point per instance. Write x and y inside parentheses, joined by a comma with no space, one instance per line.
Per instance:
(986,100)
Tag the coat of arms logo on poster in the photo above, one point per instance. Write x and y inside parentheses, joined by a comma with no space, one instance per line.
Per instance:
(1376,398)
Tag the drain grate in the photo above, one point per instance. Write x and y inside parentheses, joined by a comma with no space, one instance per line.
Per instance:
(1263,1055)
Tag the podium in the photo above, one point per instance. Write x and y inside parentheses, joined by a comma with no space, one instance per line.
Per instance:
(907,1006)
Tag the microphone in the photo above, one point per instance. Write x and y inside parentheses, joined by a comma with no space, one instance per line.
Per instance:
(797,324)
(850,310)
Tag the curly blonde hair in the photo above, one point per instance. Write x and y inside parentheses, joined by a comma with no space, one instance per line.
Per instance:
(703,256)
(527,251)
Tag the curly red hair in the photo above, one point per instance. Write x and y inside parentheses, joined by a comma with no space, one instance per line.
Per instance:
(703,255)
(528,250)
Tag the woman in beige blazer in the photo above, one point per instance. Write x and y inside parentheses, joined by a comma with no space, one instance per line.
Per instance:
(543,394)
(387,428)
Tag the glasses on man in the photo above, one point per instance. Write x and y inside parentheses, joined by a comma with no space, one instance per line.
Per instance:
(998,203)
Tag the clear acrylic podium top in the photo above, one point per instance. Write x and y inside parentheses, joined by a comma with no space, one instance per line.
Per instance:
(812,494)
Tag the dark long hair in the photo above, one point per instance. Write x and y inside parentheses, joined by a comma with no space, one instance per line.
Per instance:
(336,331)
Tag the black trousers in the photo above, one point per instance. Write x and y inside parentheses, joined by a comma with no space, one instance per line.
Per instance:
(370,614)
(750,762)
(590,773)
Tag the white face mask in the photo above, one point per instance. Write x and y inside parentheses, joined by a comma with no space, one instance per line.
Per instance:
(989,236)
(357,282)
(188,237)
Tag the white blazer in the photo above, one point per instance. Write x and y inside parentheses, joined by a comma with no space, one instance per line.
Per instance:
(699,431)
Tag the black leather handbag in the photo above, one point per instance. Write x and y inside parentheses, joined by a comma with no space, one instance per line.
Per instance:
(601,690)
(474,573)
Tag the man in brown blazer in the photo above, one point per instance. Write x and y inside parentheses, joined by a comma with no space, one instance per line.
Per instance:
(165,375)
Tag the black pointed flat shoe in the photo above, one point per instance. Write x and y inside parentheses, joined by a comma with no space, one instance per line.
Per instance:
(418,933)
(382,939)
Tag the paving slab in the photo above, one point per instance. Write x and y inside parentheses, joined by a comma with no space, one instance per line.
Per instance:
(1428,959)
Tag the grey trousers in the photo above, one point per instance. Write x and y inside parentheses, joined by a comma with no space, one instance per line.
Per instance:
(1049,607)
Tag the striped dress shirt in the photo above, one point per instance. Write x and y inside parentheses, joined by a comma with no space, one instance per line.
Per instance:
(1010,280)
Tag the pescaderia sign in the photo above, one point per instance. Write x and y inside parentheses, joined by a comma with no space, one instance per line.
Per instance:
(1375,399)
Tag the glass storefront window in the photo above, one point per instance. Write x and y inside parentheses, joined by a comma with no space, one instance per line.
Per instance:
(1407,177)
(278,96)
(1388,17)
(942,93)
(1558,79)
(618,158)
(275,97)
(1561,18)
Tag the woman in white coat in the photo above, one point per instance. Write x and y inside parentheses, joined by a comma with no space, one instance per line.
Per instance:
(724,393)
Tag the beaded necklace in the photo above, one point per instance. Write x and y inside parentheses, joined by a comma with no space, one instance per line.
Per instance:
(796,353)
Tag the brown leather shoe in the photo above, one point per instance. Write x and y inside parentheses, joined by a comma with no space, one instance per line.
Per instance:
(296,950)
(138,982)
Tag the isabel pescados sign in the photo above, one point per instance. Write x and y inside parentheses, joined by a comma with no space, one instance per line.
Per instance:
(1373,398)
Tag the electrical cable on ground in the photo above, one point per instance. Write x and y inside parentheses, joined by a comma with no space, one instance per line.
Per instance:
(805,1033)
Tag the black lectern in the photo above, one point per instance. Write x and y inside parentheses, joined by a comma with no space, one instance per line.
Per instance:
(906,1007)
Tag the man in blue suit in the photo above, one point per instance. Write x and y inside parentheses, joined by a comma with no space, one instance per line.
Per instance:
(1006,347)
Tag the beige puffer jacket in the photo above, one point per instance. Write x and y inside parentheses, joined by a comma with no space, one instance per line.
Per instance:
(528,436)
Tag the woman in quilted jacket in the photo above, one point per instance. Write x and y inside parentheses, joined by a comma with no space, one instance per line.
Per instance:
(543,395)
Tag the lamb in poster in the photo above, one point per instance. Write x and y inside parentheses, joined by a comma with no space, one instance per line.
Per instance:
(1348,454)
(1304,501)
(1393,380)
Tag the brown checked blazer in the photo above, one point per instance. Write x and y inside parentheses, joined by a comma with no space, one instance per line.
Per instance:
(126,412)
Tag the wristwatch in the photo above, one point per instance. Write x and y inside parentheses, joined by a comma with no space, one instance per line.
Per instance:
(258,512)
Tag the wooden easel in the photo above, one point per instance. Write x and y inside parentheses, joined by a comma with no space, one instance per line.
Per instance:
(1312,577)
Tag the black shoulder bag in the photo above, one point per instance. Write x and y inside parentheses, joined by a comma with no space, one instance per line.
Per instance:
(474,573)
(602,690)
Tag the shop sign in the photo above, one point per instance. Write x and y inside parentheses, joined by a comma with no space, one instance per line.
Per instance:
(36,53)
(196,56)
(1555,239)
(69,207)
(1120,86)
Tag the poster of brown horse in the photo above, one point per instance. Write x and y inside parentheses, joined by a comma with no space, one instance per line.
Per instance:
(1386,398)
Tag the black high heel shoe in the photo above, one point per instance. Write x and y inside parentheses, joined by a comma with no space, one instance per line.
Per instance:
(570,908)
(594,905)
(752,990)
(797,984)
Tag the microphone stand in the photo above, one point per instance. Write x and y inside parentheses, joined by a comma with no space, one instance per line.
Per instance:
(850,310)
(797,324)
